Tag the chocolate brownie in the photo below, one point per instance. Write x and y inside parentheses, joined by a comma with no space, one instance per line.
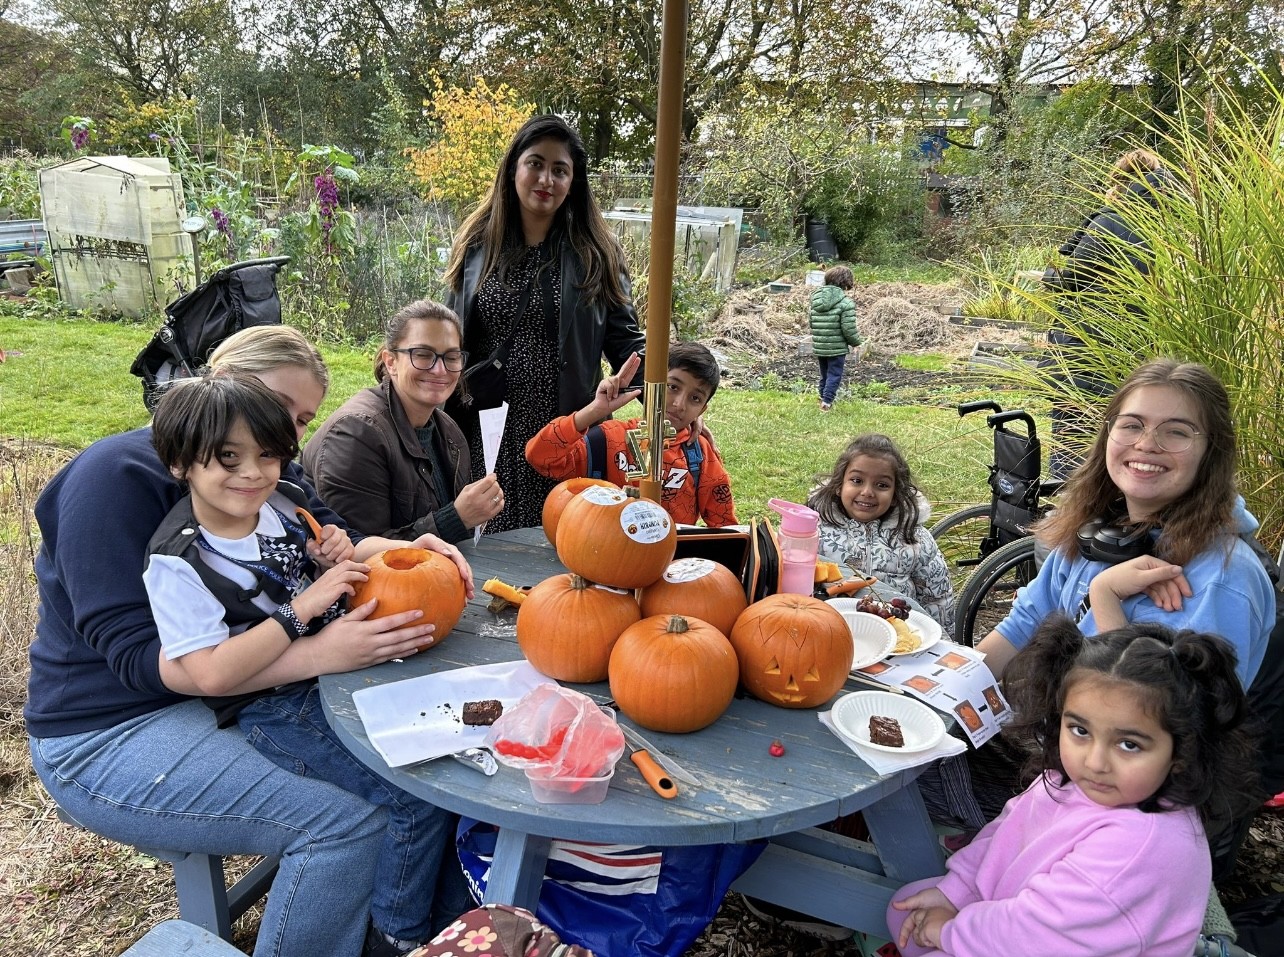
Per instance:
(482,712)
(885,731)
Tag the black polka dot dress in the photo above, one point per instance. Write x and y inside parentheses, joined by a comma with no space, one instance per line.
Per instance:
(532,380)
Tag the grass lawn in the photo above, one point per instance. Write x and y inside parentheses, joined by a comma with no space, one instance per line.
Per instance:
(67,383)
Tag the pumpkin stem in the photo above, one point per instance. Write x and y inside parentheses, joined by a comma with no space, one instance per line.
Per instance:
(677,625)
(579,582)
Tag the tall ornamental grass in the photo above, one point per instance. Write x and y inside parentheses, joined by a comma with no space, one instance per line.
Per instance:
(1213,293)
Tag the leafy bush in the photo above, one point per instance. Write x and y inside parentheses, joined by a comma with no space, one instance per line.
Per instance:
(475,128)
(20,185)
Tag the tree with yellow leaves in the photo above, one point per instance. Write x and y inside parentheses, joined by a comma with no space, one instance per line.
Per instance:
(475,126)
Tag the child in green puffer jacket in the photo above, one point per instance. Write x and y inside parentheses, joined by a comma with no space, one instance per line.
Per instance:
(833,330)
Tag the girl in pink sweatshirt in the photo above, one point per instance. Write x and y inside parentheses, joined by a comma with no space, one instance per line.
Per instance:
(1138,733)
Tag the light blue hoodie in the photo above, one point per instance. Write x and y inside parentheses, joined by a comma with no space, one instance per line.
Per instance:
(1232,598)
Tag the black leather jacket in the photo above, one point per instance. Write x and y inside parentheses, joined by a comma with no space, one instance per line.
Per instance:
(587,331)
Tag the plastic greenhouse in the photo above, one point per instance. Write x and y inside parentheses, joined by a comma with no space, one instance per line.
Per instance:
(114,233)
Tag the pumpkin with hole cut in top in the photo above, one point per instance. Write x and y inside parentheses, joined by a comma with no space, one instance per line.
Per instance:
(557,500)
(794,650)
(672,673)
(616,539)
(567,627)
(414,578)
(696,588)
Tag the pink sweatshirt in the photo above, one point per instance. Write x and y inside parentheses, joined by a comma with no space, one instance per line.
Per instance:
(1060,874)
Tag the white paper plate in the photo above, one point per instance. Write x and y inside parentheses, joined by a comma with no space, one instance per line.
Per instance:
(872,638)
(422,718)
(921,727)
(927,629)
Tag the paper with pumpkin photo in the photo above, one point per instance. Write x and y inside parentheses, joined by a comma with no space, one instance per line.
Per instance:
(953,679)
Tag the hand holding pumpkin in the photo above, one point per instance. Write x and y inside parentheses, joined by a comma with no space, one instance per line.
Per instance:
(358,641)
(325,591)
(478,502)
(442,547)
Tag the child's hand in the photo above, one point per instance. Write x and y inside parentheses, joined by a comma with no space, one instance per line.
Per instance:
(929,910)
(612,393)
(329,588)
(333,547)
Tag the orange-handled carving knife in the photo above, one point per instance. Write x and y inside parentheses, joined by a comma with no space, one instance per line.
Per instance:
(652,773)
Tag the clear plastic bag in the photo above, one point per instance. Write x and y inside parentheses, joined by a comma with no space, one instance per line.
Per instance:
(559,732)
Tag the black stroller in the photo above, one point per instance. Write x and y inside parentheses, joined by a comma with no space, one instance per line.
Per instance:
(234,298)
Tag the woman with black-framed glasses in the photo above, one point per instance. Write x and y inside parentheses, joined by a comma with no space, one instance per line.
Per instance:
(390,460)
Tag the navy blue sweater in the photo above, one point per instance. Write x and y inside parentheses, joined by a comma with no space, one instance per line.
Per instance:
(95,661)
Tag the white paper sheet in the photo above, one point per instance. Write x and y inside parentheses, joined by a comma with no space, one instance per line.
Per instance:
(951,678)
(422,718)
(492,431)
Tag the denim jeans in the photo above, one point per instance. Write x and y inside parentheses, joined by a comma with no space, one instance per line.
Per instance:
(170,779)
(419,886)
(831,376)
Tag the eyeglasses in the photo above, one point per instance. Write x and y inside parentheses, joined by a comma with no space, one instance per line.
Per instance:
(1171,435)
(425,359)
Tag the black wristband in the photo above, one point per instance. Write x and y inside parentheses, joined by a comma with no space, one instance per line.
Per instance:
(288,618)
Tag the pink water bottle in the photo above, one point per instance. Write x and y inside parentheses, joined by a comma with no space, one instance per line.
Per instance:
(799,543)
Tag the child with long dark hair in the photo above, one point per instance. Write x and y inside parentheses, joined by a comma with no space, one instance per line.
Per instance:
(1140,737)
(872,519)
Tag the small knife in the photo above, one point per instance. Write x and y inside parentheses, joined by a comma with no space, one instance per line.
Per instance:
(652,773)
(667,763)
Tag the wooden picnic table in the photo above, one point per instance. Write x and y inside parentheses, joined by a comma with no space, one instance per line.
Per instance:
(744,793)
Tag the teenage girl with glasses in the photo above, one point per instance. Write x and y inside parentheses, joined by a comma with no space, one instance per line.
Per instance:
(390,460)
(1161,476)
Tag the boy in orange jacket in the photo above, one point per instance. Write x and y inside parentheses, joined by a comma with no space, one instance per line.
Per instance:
(694,485)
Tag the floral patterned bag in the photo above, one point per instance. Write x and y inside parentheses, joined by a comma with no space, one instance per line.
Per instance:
(498,930)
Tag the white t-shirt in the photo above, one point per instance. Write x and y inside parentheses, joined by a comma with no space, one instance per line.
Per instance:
(188,616)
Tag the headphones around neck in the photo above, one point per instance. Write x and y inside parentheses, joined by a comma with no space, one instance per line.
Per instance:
(1105,540)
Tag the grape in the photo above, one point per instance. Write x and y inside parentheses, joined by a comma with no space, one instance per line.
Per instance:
(899,603)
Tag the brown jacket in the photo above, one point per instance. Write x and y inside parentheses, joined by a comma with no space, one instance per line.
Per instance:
(367,465)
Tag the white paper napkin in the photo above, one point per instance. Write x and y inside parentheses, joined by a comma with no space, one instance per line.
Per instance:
(884,762)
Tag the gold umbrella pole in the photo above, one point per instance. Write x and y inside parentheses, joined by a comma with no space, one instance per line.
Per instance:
(664,218)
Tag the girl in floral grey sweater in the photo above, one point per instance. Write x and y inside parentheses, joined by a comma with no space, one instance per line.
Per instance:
(871,518)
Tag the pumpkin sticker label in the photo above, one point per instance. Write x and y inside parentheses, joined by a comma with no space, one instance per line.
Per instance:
(687,570)
(643,521)
(601,495)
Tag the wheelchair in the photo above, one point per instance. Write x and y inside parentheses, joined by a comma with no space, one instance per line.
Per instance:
(989,547)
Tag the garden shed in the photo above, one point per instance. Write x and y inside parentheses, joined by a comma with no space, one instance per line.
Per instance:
(114,232)
(706,242)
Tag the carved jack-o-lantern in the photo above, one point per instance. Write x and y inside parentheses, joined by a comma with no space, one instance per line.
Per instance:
(795,651)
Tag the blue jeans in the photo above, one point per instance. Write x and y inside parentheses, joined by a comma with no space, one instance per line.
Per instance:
(171,779)
(418,884)
(831,376)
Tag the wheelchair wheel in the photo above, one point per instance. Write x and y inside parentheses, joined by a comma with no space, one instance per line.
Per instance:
(959,536)
(987,598)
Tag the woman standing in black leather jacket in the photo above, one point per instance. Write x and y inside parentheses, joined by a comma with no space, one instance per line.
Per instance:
(1106,241)
(536,273)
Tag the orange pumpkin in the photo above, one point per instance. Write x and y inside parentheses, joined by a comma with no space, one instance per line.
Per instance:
(409,578)
(615,539)
(557,501)
(674,674)
(697,588)
(567,627)
(795,651)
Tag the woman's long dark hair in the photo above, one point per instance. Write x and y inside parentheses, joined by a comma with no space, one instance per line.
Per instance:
(1197,519)
(496,225)
(1184,678)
